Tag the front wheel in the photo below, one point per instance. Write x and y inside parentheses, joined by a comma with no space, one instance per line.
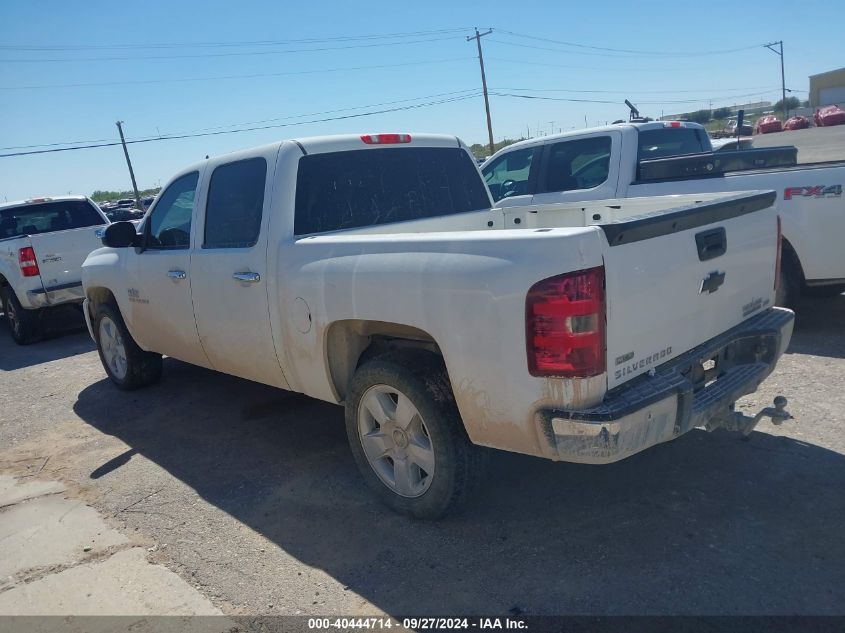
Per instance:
(128,366)
(24,325)
(407,436)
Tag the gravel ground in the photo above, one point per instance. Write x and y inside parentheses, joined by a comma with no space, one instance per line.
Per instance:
(815,144)
(251,495)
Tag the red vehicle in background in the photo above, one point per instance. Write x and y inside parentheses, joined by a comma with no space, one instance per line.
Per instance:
(796,123)
(829,115)
(767,124)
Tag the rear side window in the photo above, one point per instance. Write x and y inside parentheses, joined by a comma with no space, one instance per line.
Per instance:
(580,164)
(48,217)
(508,175)
(235,201)
(672,141)
(344,190)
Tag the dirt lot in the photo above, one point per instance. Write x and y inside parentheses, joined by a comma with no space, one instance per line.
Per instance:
(250,494)
(815,144)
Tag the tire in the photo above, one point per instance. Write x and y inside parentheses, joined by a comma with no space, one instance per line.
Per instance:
(24,325)
(128,366)
(791,280)
(432,434)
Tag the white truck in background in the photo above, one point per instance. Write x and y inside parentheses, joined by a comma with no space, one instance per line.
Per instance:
(370,271)
(43,243)
(675,157)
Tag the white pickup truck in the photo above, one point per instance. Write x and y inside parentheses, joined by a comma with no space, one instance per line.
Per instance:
(673,157)
(43,243)
(370,271)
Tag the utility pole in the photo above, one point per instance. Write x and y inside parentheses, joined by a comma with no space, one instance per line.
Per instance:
(477,37)
(782,76)
(138,204)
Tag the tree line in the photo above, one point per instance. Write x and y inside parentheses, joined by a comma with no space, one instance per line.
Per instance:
(106,196)
(719,114)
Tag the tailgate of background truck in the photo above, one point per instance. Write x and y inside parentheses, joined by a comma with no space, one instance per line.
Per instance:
(680,277)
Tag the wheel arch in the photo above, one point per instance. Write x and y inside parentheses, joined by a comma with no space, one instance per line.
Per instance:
(350,343)
(789,253)
(97,296)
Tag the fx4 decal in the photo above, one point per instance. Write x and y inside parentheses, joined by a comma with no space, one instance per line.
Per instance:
(832,191)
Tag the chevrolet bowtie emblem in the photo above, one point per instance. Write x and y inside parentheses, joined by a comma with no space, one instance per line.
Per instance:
(711,282)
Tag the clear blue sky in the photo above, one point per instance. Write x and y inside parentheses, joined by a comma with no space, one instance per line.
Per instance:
(38,107)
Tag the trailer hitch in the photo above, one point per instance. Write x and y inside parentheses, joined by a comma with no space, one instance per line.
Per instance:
(736,421)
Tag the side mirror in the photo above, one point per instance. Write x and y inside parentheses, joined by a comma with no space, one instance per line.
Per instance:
(120,235)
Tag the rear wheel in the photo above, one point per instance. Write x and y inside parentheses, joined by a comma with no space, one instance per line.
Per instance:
(24,325)
(407,436)
(128,366)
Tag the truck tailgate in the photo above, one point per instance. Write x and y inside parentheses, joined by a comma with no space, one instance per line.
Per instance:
(60,254)
(679,278)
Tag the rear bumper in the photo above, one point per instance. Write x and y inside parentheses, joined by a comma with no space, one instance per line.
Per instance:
(678,396)
(55,295)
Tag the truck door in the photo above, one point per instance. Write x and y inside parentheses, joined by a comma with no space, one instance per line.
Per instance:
(583,168)
(229,280)
(161,313)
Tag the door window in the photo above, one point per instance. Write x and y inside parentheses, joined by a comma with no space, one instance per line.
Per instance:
(235,201)
(508,175)
(170,220)
(581,164)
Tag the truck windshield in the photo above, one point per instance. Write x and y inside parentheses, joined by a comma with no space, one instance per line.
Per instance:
(61,215)
(345,190)
(673,141)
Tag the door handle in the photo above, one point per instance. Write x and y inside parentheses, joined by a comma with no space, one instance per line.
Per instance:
(176,275)
(247,276)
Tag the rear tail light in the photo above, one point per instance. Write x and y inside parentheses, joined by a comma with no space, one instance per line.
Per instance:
(28,263)
(673,124)
(565,325)
(386,139)
(778,257)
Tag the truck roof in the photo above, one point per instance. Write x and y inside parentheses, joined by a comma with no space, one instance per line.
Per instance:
(341,142)
(334,143)
(42,200)
(649,125)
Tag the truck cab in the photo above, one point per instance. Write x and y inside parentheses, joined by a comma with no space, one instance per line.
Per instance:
(675,157)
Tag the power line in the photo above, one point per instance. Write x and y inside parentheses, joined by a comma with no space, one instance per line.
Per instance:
(171,137)
(629,51)
(622,68)
(222,77)
(636,92)
(471,91)
(573,100)
(466,91)
(343,38)
(229,54)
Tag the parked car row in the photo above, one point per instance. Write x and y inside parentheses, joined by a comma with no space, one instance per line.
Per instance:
(823,117)
(126,208)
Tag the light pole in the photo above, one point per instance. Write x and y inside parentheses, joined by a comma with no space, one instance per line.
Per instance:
(782,76)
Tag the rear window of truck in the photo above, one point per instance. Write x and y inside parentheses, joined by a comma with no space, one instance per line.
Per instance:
(47,217)
(672,141)
(352,189)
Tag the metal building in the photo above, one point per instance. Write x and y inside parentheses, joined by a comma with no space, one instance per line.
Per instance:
(827,88)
